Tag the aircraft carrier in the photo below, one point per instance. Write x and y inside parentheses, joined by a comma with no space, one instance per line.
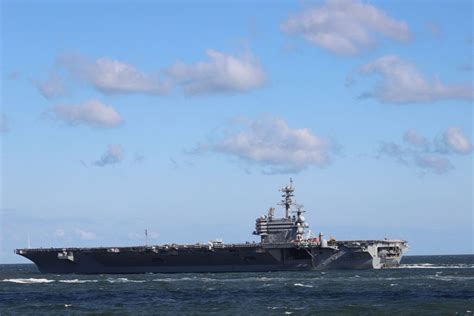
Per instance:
(286,245)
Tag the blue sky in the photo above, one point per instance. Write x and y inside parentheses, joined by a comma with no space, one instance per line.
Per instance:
(184,118)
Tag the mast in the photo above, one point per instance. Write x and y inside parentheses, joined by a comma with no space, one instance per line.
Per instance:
(287,196)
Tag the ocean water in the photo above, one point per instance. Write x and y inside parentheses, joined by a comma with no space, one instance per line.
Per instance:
(423,285)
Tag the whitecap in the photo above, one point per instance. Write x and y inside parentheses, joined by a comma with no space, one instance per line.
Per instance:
(77,281)
(203,279)
(264,279)
(124,280)
(302,285)
(28,281)
(162,280)
(433,266)
(451,277)
(249,279)
(167,280)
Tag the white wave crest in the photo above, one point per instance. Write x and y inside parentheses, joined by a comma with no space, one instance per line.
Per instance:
(173,280)
(124,280)
(451,277)
(77,281)
(302,285)
(28,281)
(219,280)
(433,266)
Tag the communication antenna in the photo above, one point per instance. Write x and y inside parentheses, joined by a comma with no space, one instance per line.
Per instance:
(287,195)
(146,237)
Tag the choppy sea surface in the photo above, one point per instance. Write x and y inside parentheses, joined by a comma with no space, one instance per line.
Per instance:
(422,285)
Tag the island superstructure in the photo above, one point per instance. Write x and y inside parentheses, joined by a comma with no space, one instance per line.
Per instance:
(285,245)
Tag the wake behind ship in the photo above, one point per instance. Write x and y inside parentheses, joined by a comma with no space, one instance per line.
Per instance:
(285,245)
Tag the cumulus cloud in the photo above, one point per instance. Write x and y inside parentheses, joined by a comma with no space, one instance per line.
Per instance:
(221,73)
(345,27)
(272,144)
(454,140)
(396,151)
(433,163)
(412,137)
(429,156)
(85,234)
(401,82)
(113,155)
(50,88)
(3,124)
(92,113)
(111,76)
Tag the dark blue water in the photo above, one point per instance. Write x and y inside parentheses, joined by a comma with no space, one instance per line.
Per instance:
(423,285)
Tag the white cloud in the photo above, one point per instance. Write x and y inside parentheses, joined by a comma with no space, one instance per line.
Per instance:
(4,124)
(455,141)
(418,158)
(112,76)
(50,88)
(422,154)
(221,73)
(412,137)
(271,143)
(395,151)
(433,163)
(113,155)
(345,27)
(93,113)
(401,82)
(85,234)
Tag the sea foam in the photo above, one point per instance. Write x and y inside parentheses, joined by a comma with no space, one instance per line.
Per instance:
(433,266)
(28,281)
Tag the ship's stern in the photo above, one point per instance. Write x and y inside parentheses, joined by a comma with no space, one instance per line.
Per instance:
(387,253)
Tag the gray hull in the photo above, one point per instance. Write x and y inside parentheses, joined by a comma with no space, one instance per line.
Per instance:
(222,258)
(283,247)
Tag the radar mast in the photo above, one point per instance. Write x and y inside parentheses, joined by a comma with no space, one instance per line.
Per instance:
(287,196)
